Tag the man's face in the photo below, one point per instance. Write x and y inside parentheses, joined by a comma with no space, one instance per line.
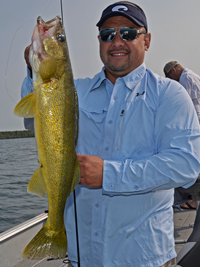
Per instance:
(121,57)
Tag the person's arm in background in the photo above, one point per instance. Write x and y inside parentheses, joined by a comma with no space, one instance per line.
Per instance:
(27,88)
(192,87)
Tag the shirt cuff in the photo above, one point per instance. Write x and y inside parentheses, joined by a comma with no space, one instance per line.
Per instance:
(111,177)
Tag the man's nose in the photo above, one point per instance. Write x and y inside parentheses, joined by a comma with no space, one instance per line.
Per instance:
(118,41)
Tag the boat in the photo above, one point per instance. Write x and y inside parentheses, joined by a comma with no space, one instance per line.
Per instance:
(186,233)
(14,240)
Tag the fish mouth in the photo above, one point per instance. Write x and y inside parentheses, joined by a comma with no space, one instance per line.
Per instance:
(42,31)
(47,29)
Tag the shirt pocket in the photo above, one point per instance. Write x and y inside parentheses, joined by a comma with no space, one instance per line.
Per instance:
(91,127)
(96,114)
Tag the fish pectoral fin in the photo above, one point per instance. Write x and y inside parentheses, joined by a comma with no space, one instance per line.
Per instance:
(77,176)
(47,68)
(26,107)
(37,184)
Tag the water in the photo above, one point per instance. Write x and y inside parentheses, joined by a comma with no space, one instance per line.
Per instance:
(18,162)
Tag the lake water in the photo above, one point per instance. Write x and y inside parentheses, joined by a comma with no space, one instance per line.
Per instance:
(18,162)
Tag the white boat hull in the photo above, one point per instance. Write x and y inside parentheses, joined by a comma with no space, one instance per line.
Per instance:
(13,241)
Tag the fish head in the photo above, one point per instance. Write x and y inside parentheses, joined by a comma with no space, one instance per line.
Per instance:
(48,48)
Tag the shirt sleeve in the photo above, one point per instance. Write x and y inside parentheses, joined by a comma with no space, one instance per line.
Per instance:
(27,88)
(177,159)
(187,84)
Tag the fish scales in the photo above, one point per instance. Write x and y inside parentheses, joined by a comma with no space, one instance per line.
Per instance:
(54,106)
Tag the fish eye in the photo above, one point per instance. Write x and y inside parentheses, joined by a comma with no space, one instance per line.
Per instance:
(61,37)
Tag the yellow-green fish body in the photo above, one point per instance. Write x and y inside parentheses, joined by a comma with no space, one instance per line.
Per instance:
(54,106)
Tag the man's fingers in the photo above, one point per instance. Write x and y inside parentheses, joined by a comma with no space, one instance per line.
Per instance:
(80,157)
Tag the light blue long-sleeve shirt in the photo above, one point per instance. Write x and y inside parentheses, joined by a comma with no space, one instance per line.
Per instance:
(27,88)
(146,129)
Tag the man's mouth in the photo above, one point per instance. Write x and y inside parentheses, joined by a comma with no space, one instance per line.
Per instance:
(120,53)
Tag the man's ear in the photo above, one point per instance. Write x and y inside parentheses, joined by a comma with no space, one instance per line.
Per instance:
(98,38)
(173,70)
(147,40)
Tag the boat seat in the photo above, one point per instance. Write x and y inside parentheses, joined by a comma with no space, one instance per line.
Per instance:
(189,256)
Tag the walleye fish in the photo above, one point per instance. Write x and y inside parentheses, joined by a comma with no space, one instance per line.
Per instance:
(54,106)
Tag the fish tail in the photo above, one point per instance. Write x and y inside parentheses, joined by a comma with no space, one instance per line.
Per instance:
(47,243)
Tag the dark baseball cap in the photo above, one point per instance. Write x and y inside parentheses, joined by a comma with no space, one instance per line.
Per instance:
(129,11)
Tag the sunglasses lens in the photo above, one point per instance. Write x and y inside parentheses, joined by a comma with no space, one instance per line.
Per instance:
(107,35)
(128,34)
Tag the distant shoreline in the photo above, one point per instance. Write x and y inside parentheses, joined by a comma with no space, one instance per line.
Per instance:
(16,134)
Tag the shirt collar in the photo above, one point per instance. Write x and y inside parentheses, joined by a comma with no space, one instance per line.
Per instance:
(135,76)
(101,79)
(130,79)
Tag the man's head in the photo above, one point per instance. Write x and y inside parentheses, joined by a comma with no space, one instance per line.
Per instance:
(123,38)
(173,70)
(126,9)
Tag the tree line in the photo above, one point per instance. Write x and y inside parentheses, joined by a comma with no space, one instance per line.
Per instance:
(16,134)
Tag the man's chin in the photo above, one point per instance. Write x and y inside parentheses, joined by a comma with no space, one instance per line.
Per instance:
(118,69)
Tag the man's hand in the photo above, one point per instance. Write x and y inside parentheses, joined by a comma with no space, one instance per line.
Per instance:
(91,170)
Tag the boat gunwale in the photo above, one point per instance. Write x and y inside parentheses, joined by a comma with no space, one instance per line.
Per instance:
(23,226)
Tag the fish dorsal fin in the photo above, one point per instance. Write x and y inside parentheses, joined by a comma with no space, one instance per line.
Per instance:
(26,107)
(37,184)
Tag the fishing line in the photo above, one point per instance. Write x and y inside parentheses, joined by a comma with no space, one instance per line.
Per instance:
(77,238)
(7,90)
(47,7)
(7,63)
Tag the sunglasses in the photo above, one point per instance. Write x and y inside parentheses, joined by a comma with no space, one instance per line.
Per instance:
(126,33)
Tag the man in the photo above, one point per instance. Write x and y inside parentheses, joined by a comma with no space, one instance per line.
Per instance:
(135,145)
(191,81)
(188,79)
(27,88)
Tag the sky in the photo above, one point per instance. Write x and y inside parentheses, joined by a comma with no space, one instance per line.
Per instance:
(174,25)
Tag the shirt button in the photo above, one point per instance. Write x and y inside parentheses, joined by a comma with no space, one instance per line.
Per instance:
(96,205)
(115,97)
(96,234)
(107,148)
(111,186)
(136,187)
(110,122)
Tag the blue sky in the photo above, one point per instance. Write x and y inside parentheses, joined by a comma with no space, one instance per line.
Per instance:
(174,25)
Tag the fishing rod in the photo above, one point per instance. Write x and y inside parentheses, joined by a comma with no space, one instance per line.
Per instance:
(61,12)
(77,239)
